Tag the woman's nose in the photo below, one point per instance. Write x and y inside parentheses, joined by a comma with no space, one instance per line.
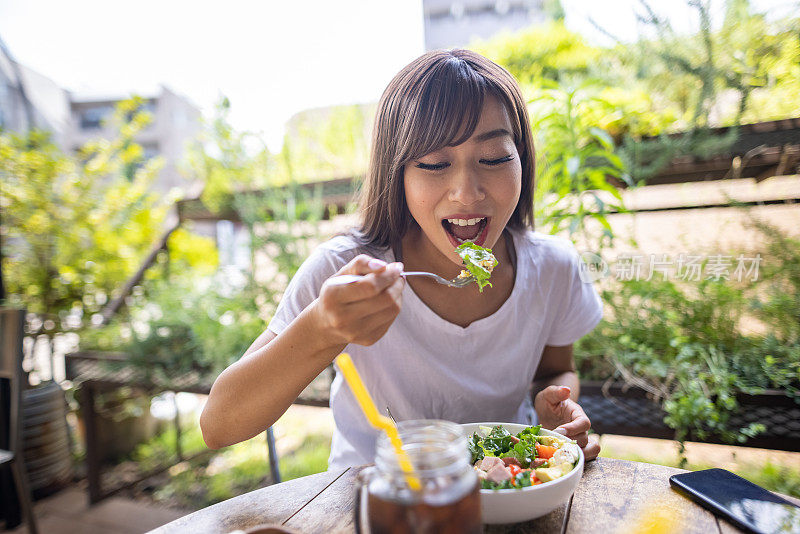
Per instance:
(466,188)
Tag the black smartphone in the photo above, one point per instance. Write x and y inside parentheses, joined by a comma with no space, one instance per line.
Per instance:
(741,502)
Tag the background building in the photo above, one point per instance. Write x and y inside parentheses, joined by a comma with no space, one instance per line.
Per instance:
(450,23)
(176,122)
(29,99)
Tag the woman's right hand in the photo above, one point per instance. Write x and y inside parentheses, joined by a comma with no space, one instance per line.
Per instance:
(360,310)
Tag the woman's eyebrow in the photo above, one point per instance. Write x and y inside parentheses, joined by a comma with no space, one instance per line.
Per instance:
(499,132)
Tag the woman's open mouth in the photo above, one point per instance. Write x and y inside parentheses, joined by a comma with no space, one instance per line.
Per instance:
(460,230)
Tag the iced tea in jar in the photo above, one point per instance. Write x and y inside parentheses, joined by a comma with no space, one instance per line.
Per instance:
(449,500)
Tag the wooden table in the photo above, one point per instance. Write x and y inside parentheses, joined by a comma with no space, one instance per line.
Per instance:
(613,496)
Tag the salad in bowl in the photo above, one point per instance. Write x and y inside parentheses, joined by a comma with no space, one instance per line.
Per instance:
(525,472)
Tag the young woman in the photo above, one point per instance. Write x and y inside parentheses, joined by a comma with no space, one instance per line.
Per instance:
(452,160)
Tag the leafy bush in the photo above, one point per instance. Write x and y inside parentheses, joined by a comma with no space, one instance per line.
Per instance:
(184,324)
(575,161)
(75,226)
(684,345)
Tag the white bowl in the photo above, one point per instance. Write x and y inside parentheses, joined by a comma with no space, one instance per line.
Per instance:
(524,504)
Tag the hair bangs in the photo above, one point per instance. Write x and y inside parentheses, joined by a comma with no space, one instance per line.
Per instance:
(451,97)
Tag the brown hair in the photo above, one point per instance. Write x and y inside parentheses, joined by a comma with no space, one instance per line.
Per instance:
(436,101)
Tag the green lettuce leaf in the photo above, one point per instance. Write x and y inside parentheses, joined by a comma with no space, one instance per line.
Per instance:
(473,255)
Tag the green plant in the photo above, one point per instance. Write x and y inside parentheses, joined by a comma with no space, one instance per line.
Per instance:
(545,52)
(575,167)
(683,343)
(74,227)
(183,324)
(243,467)
(309,458)
(188,318)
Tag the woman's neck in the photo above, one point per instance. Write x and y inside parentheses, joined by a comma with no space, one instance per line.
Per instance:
(418,254)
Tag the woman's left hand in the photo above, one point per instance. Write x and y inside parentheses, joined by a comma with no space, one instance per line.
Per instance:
(558,412)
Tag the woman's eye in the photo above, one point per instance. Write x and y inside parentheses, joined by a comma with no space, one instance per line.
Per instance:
(431,166)
(497,161)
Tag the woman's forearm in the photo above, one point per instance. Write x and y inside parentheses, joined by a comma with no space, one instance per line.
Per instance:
(254,392)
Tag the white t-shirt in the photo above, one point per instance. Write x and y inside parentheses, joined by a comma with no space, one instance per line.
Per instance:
(425,367)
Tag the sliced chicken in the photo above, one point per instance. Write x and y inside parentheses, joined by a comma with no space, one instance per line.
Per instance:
(498,473)
(488,462)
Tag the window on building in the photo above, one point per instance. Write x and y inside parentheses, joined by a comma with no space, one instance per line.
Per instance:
(5,104)
(150,150)
(92,117)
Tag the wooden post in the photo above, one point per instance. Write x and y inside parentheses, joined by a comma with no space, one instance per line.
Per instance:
(273,457)
(92,458)
(177,420)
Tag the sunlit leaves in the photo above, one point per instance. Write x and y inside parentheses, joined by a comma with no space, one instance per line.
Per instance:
(76,226)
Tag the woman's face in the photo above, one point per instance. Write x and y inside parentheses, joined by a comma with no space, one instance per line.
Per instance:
(469,191)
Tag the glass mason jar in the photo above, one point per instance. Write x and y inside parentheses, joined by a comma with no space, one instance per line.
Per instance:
(449,500)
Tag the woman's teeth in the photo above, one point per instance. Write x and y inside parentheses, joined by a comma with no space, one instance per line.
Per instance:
(465,229)
(465,222)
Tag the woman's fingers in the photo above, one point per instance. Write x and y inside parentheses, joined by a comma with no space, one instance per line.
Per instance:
(361,265)
(347,288)
(555,395)
(359,303)
(578,424)
(592,448)
(581,439)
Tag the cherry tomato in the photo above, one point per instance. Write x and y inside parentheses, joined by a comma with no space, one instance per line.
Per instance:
(543,451)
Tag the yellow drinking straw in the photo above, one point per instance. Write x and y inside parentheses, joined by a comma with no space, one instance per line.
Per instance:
(377,420)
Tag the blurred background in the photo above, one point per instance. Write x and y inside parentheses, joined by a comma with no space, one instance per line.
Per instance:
(166,167)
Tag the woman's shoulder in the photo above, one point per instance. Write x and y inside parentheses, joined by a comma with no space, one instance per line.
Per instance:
(338,251)
(349,245)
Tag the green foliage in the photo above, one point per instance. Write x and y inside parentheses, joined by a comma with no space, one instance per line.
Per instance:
(745,68)
(326,143)
(74,228)
(311,457)
(153,453)
(184,324)
(683,343)
(575,165)
(746,55)
(228,161)
(546,52)
(233,471)
(284,222)
(319,144)
(189,317)
(644,158)
(779,307)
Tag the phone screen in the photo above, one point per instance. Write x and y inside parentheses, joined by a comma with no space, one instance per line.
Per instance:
(744,503)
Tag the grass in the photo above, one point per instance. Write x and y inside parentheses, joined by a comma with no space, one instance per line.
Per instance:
(232,471)
(311,457)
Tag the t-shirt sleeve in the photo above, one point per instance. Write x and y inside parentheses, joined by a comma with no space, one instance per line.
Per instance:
(306,284)
(581,308)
